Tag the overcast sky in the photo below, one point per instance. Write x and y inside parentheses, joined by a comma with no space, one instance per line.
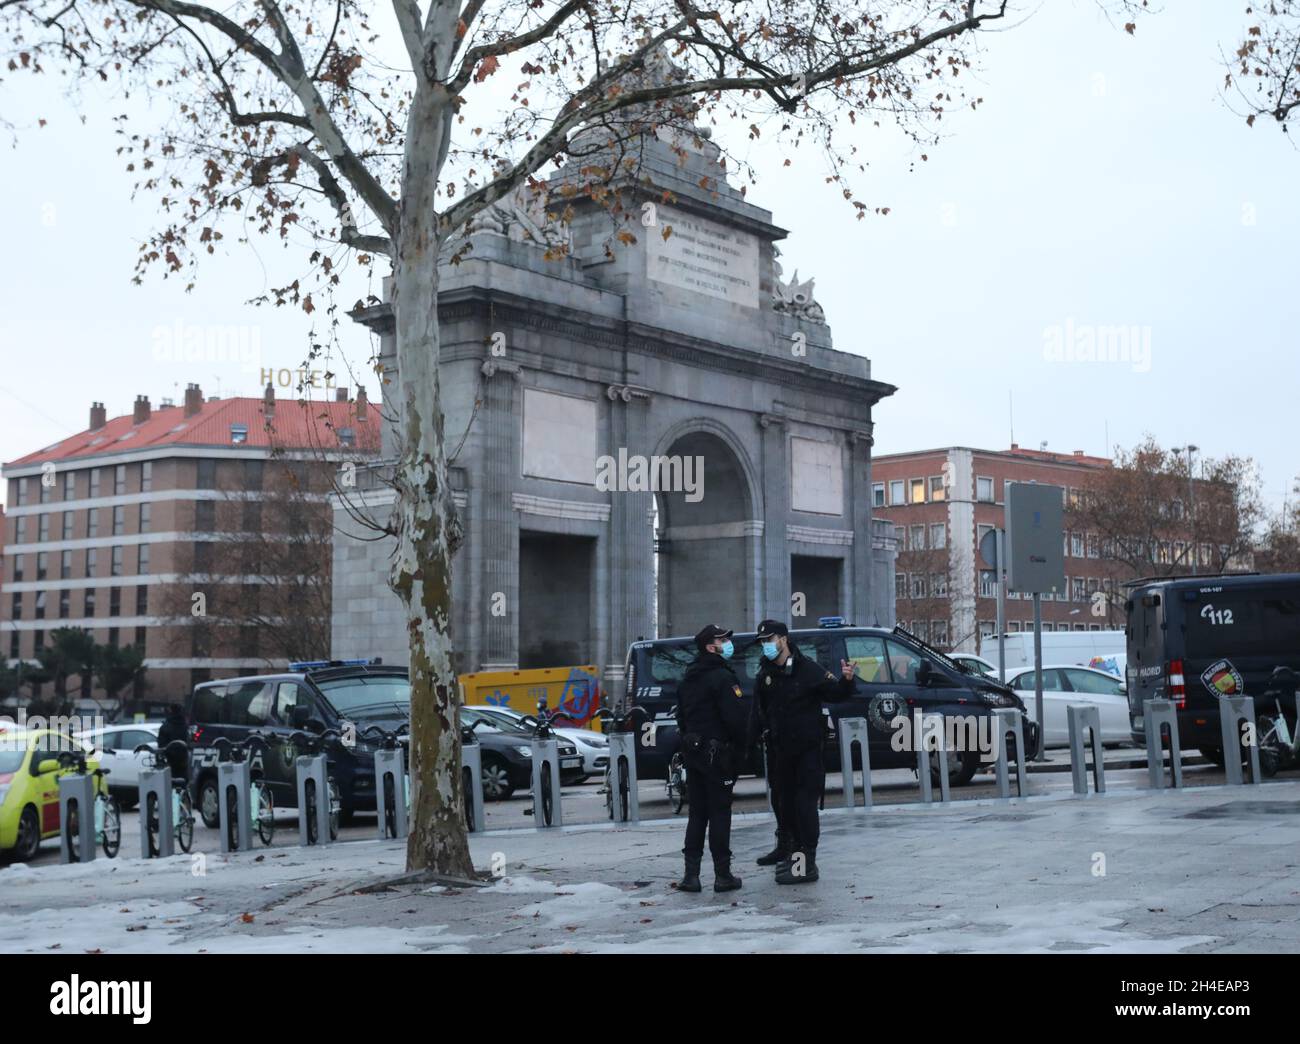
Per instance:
(1104,183)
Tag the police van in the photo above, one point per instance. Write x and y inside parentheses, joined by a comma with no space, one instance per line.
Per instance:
(1192,639)
(897,673)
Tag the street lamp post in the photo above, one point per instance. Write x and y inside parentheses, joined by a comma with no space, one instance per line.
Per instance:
(1191,504)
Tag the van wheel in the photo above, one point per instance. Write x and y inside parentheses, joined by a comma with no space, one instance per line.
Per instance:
(1213,755)
(962,766)
(209,807)
(496,778)
(29,836)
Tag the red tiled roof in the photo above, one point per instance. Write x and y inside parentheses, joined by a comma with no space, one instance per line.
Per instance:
(296,426)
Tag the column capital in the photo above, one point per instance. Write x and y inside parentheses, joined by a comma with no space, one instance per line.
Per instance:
(767,420)
(863,435)
(491,367)
(625,393)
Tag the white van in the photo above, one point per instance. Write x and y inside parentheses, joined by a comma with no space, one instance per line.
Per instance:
(1105,650)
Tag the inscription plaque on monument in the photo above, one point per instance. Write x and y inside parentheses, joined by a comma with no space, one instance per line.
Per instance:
(705,256)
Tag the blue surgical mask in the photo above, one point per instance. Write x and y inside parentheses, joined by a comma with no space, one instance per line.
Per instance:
(769,650)
(726,650)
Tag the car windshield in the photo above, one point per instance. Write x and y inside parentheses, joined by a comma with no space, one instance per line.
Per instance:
(374,695)
(10,760)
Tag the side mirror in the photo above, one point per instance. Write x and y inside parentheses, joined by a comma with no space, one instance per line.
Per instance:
(300,717)
(924,674)
(47,765)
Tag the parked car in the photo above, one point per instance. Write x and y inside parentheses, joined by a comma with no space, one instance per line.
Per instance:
(29,788)
(507,755)
(114,747)
(897,673)
(978,664)
(1067,684)
(593,746)
(1193,639)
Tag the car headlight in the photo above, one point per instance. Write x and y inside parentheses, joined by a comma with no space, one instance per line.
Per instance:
(525,751)
(600,743)
(998,699)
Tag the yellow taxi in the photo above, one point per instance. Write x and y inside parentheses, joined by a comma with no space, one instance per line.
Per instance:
(29,788)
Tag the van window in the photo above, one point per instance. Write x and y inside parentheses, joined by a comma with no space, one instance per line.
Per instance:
(903,663)
(209,706)
(287,696)
(868,653)
(668,663)
(248,703)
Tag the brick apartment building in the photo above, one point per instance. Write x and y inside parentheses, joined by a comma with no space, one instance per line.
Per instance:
(101,527)
(942,502)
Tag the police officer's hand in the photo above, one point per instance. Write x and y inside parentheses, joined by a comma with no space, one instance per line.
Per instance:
(848,668)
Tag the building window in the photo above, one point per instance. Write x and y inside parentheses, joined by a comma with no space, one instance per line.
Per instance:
(38,645)
(145,516)
(1013,626)
(115,563)
(896,492)
(936,487)
(146,476)
(938,535)
(918,585)
(112,636)
(69,485)
(347,437)
(65,565)
(13,645)
(900,537)
(987,629)
(92,522)
(238,434)
(918,491)
(939,585)
(253,474)
(40,605)
(66,533)
(1080,589)
(119,520)
(45,490)
(900,586)
(18,567)
(140,637)
(89,610)
(142,600)
(94,482)
(207,474)
(20,530)
(1076,545)
(252,516)
(42,564)
(119,480)
(939,633)
(921,629)
(65,604)
(988,583)
(1094,546)
(92,562)
(877,494)
(16,609)
(984,489)
(142,561)
(43,528)
(205,516)
(918,538)
(114,601)
(22,492)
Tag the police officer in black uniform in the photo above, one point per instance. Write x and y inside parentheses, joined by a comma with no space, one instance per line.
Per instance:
(789,692)
(712,720)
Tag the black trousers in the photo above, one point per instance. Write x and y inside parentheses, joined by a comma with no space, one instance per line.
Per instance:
(779,786)
(709,803)
(802,778)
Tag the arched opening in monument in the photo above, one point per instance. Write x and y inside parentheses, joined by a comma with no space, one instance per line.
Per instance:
(815,589)
(555,599)
(704,544)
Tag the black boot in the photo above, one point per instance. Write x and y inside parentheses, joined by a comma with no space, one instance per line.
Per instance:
(723,879)
(690,881)
(778,855)
(799,870)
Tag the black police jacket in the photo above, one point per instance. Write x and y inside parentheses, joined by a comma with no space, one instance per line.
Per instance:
(710,702)
(788,701)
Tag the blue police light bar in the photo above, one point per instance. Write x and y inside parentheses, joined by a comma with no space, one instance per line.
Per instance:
(830,621)
(313,665)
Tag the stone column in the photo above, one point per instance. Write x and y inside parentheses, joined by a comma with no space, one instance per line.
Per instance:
(775,514)
(497,522)
(859,602)
(629,547)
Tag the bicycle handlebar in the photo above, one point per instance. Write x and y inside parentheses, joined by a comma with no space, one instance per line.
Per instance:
(387,740)
(160,753)
(620,721)
(312,742)
(227,749)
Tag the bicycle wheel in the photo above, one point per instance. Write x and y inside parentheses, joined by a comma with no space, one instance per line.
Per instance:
(390,812)
(72,830)
(336,803)
(1270,747)
(265,814)
(623,797)
(185,821)
(155,827)
(112,826)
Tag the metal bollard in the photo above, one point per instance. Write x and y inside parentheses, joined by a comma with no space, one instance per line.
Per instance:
(1155,714)
(1080,718)
(546,757)
(919,728)
(234,776)
(622,750)
(81,790)
(391,763)
(1008,723)
(1233,710)
(156,784)
(854,730)
(472,766)
(312,767)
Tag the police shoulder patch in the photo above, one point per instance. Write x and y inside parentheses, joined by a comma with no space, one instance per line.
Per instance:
(736,690)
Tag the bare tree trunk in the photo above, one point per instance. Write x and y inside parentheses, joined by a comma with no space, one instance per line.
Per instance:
(421,570)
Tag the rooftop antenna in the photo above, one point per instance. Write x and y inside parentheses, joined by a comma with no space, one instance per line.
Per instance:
(1011,416)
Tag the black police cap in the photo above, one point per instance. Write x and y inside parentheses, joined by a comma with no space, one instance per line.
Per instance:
(711,634)
(772,629)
